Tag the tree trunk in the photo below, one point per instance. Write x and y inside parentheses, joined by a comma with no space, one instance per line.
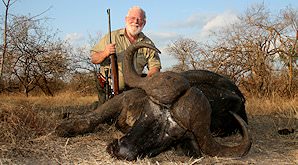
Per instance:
(4,38)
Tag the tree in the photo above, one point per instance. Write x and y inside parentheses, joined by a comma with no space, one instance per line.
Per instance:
(187,52)
(250,51)
(5,29)
(81,63)
(36,57)
(253,49)
(290,17)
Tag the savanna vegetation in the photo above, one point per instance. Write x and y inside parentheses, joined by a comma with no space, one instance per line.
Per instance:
(44,80)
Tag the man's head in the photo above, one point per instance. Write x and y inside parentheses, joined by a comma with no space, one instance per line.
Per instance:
(135,20)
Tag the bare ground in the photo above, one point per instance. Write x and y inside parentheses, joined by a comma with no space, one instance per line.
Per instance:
(32,141)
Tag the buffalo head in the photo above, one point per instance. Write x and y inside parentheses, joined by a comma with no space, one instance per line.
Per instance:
(176,110)
(153,132)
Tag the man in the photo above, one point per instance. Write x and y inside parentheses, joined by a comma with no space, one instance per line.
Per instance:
(121,39)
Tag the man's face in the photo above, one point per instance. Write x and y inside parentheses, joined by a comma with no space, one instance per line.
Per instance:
(134,22)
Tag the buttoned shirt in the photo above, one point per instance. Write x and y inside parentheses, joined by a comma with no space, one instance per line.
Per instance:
(144,57)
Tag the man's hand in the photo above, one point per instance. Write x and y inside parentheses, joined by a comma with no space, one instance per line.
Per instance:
(99,57)
(110,49)
(152,71)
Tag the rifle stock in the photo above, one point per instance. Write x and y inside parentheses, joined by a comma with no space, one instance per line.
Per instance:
(114,64)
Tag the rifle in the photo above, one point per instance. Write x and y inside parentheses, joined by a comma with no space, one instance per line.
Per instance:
(114,64)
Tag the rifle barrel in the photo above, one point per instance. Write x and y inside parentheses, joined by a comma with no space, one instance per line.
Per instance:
(114,64)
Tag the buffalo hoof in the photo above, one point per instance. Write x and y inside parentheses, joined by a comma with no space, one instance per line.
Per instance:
(71,128)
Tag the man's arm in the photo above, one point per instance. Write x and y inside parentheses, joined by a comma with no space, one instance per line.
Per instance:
(154,65)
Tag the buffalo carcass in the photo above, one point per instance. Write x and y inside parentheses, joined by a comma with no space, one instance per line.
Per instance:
(169,109)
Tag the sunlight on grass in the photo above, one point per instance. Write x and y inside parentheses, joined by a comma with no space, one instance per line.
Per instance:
(273,106)
(62,99)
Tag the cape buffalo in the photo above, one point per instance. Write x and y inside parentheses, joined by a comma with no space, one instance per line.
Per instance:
(169,109)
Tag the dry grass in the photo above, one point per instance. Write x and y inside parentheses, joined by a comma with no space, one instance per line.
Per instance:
(63,99)
(26,126)
(273,106)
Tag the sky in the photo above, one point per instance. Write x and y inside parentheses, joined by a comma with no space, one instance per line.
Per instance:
(167,20)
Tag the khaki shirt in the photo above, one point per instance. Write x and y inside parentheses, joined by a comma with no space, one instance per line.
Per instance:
(144,57)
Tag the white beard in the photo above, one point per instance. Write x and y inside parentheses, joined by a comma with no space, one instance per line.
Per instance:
(134,29)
